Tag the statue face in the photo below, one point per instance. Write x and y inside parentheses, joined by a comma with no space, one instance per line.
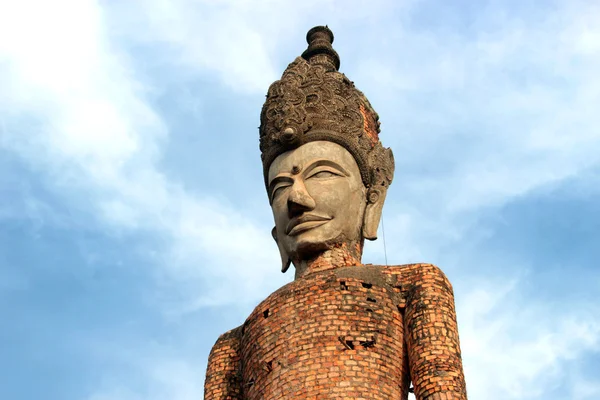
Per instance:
(317,197)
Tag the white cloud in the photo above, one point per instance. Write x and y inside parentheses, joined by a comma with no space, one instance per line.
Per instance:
(517,348)
(212,37)
(95,135)
(236,41)
(511,108)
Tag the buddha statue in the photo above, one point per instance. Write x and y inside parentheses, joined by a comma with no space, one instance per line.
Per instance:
(341,329)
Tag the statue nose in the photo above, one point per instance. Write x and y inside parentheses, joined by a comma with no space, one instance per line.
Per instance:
(299,200)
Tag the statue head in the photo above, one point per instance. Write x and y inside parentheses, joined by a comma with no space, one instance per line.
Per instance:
(325,169)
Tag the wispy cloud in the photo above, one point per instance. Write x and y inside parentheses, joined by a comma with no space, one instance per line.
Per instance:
(506,106)
(97,136)
(517,348)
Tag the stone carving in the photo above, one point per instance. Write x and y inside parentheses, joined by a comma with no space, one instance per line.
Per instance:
(318,185)
(341,329)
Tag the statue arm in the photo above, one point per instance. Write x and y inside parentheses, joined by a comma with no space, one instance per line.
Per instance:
(431,334)
(223,372)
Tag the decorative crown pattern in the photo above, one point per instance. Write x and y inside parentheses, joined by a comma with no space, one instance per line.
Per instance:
(313,101)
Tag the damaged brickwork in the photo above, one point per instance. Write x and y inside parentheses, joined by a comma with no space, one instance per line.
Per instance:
(352,333)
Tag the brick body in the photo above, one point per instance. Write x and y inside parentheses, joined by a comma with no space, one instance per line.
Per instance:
(359,332)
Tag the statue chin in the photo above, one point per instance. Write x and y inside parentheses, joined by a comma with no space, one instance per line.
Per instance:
(310,246)
(307,249)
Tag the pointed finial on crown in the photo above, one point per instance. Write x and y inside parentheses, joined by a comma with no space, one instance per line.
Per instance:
(319,49)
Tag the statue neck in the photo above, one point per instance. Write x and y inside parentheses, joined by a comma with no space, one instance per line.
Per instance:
(342,255)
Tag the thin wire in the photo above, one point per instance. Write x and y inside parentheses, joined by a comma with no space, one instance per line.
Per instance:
(383,230)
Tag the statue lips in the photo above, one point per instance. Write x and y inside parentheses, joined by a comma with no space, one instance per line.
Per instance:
(305,222)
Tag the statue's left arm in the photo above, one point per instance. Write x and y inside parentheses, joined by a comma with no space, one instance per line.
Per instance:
(431,334)
(222,375)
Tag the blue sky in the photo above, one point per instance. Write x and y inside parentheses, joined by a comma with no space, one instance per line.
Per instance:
(134,225)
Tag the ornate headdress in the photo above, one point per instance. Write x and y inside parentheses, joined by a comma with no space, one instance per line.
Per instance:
(313,101)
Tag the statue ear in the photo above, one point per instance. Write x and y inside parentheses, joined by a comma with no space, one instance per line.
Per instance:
(285,259)
(375,200)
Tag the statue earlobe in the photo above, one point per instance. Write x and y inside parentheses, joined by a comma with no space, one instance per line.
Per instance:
(285,259)
(375,200)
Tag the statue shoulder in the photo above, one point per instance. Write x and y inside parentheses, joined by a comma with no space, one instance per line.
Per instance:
(228,340)
(419,274)
(223,371)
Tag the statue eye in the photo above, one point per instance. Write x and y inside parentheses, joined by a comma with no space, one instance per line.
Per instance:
(324,175)
(278,190)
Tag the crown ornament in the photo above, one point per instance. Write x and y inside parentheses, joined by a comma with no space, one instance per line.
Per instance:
(313,101)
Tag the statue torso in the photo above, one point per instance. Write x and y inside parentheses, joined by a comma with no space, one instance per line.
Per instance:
(350,332)
(332,333)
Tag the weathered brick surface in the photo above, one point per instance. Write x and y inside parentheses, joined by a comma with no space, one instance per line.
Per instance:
(347,333)
(222,375)
(431,332)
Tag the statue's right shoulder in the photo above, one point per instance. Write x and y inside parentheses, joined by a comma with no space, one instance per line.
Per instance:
(233,334)
(418,273)
(223,372)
